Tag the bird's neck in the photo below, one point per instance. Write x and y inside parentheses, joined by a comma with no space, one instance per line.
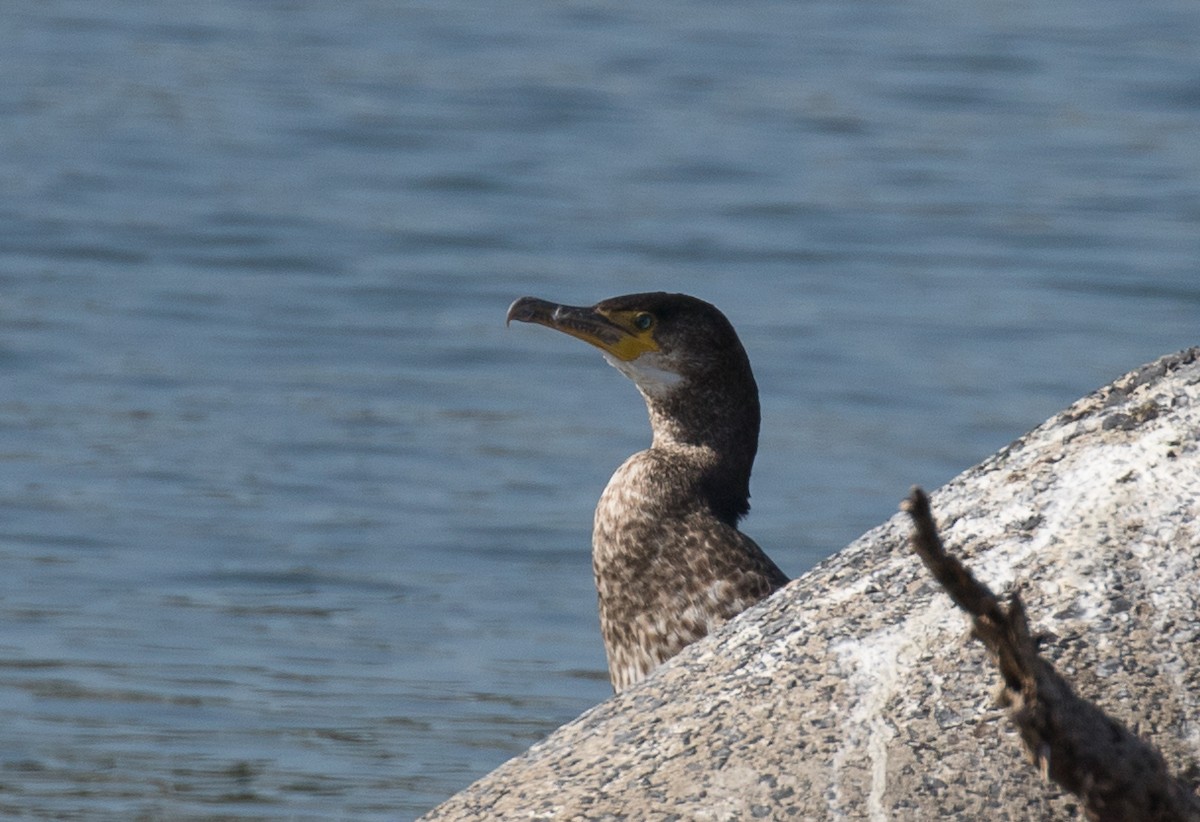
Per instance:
(714,442)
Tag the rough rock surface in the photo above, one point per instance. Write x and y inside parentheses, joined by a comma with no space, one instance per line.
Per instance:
(855,692)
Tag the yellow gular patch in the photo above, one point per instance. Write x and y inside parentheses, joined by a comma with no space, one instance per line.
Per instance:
(636,341)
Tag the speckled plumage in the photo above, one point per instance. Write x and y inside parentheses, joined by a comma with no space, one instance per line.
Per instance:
(669,561)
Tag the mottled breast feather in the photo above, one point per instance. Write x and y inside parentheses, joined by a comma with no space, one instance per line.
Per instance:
(668,570)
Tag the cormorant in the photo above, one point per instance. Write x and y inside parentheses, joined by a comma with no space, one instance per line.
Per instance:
(669,561)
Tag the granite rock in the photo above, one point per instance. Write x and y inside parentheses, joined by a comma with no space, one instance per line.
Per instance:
(856,693)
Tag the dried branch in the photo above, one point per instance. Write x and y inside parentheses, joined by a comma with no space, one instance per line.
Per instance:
(1117,775)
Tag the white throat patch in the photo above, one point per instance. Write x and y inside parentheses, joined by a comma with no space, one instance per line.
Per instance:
(647,372)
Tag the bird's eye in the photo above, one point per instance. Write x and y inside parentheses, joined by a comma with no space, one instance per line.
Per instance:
(643,321)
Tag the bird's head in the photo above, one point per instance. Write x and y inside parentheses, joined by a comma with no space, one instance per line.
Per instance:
(660,341)
(682,353)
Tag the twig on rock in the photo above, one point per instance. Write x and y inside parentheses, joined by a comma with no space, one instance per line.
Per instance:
(1116,775)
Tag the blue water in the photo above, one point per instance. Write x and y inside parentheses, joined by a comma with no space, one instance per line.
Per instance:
(291,526)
